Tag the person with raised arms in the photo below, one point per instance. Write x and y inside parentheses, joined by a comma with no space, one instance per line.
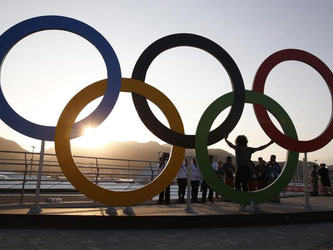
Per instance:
(243,161)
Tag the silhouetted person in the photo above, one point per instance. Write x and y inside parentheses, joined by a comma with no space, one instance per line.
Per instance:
(325,179)
(204,185)
(165,194)
(272,172)
(229,170)
(314,179)
(220,173)
(182,182)
(261,171)
(252,185)
(195,180)
(243,160)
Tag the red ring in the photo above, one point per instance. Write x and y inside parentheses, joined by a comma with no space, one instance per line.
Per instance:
(262,115)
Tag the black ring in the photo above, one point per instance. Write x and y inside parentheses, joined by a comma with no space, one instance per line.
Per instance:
(147,116)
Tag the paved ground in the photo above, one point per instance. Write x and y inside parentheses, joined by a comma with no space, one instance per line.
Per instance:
(302,236)
(290,203)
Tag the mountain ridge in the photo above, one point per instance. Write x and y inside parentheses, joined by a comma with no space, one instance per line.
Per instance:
(137,151)
(147,151)
(9,145)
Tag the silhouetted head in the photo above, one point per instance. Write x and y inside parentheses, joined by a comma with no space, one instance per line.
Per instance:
(211,158)
(241,140)
(229,159)
(273,157)
(315,166)
(322,165)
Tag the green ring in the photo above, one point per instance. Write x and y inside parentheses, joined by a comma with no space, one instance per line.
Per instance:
(201,150)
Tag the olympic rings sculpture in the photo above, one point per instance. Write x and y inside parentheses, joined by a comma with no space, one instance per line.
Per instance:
(109,88)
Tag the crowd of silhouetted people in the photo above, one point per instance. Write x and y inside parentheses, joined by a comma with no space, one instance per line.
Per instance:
(243,176)
(321,173)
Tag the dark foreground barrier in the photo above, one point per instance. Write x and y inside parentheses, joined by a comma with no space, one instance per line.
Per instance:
(160,222)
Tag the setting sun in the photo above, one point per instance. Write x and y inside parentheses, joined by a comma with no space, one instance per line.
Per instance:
(89,131)
(92,138)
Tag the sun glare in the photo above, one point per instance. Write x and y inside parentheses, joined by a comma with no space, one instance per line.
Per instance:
(92,138)
(89,131)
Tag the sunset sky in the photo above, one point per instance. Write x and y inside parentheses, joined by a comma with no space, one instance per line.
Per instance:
(45,70)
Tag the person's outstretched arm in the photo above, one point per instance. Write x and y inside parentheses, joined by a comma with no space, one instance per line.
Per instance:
(265,146)
(229,143)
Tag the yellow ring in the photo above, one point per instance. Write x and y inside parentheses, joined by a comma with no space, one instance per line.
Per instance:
(74,175)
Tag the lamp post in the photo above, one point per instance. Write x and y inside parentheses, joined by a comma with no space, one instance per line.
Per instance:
(32,159)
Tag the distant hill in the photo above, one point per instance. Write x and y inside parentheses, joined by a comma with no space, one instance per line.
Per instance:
(119,150)
(149,151)
(136,151)
(152,150)
(8,145)
(5,157)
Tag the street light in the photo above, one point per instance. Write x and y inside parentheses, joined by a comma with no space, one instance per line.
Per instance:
(32,159)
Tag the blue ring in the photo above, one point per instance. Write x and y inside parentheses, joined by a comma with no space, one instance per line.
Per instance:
(30,26)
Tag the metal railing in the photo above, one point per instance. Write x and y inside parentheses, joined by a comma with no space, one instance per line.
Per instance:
(19,174)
